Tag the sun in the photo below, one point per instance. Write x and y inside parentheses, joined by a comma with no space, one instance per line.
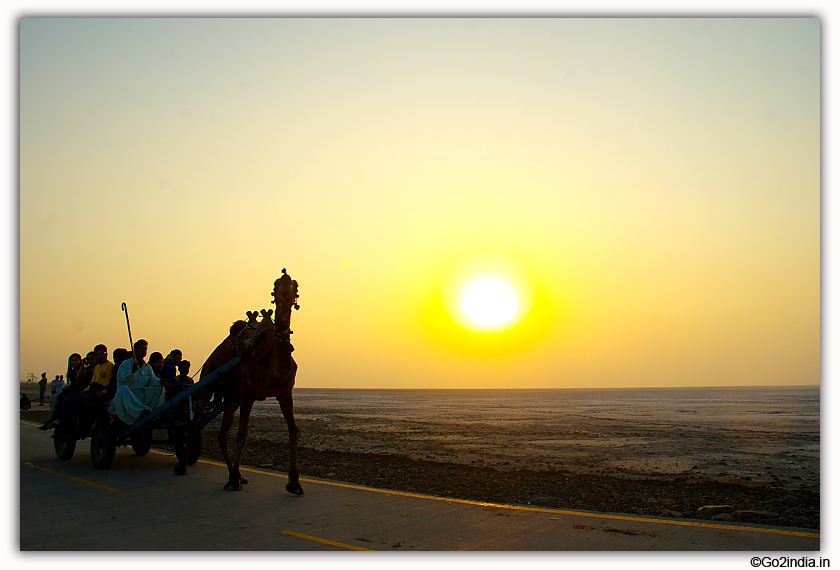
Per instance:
(486,305)
(487,293)
(488,302)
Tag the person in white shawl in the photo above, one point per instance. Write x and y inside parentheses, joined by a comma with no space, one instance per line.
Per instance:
(138,389)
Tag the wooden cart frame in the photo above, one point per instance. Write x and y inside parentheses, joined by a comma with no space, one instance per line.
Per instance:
(108,432)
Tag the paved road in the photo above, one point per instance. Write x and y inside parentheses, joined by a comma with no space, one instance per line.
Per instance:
(143,506)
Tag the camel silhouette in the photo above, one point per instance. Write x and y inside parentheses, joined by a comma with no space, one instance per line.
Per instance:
(266,369)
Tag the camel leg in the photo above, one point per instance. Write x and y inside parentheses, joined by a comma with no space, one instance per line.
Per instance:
(235,481)
(288,407)
(192,430)
(231,405)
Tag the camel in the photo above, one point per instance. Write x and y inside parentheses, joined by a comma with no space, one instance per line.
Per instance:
(266,369)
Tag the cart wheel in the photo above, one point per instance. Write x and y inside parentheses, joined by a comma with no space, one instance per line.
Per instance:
(103,445)
(195,447)
(141,442)
(65,446)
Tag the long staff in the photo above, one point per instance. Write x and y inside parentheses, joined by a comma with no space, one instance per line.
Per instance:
(128,323)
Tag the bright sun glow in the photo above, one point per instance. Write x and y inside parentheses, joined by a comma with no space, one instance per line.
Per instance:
(487,292)
(488,302)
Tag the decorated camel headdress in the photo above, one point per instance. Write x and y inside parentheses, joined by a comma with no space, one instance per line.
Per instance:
(285,298)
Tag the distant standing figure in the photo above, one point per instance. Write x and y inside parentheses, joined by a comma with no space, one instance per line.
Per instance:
(57,385)
(57,389)
(42,388)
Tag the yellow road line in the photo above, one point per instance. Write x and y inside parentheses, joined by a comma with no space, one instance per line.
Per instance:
(209,462)
(71,477)
(325,541)
(536,509)
(28,423)
(539,509)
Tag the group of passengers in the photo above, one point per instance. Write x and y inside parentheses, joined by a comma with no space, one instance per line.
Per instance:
(133,386)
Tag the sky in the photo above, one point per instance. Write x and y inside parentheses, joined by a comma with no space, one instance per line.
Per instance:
(648,189)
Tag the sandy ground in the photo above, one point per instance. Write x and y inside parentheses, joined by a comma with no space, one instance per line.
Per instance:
(585,464)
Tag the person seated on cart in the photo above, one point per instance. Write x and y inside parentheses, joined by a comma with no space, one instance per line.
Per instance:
(170,364)
(181,381)
(100,390)
(156,362)
(138,388)
(169,373)
(169,383)
(102,371)
(84,375)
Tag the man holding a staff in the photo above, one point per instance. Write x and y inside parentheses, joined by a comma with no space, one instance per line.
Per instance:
(138,389)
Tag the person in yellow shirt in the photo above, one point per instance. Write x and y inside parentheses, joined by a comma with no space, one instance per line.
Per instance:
(92,394)
(103,371)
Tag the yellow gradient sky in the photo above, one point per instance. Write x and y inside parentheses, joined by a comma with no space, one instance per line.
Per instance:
(651,187)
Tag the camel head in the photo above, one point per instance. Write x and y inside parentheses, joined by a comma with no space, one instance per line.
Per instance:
(285,298)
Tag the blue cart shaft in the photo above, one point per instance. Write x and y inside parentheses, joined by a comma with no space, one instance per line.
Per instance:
(211,415)
(182,396)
